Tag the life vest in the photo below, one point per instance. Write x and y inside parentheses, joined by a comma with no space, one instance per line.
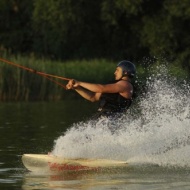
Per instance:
(113,102)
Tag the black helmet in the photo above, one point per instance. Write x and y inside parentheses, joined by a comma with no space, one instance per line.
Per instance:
(128,67)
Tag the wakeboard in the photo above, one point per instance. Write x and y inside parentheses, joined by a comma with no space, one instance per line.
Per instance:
(43,162)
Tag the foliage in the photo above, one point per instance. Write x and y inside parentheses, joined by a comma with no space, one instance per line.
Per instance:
(15,25)
(17,84)
(167,31)
(87,29)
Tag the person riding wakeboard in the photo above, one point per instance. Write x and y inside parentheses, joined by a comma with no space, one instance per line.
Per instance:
(113,97)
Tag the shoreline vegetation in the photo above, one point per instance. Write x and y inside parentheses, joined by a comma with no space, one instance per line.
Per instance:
(20,85)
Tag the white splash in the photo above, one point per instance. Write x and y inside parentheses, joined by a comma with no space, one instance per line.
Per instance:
(159,132)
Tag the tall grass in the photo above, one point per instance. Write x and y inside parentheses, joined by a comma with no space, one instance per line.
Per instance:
(18,85)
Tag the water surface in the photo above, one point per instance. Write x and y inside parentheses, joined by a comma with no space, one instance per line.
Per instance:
(153,137)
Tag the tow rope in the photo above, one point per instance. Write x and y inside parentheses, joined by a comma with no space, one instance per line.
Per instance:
(45,75)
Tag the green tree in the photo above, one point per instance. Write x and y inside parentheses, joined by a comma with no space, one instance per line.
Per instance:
(121,25)
(167,30)
(66,28)
(83,28)
(15,25)
(117,29)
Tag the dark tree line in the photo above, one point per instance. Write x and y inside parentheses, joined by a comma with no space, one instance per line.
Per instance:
(116,29)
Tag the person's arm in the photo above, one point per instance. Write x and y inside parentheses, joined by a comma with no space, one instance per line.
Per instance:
(118,87)
(93,92)
(89,95)
(85,93)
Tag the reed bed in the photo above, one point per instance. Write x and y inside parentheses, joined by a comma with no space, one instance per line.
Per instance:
(21,85)
(17,84)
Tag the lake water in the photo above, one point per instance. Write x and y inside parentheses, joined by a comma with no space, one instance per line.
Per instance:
(153,137)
